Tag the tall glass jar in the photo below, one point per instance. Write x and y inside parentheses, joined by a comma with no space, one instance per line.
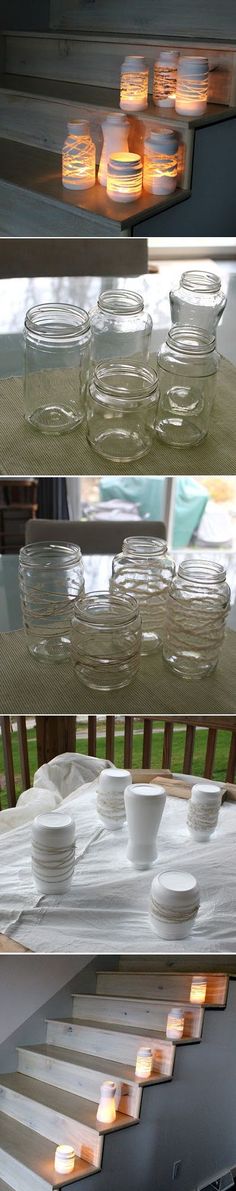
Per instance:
(198,300)
(198,602)
(121,411)
(106,640)
(51,577)
(57,341)
(187,369)
(120,328)
(144,570)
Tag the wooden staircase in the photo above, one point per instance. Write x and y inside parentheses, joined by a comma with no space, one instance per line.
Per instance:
(53,1095)
(46,80)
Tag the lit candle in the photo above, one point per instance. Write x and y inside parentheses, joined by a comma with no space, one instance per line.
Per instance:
(124,177)
(198,990)
(175,1025)
(164,78)
(144,1062)
(160,162)
(64,1159)
(134,84)
(78,157)
(192,86)
(106,1112)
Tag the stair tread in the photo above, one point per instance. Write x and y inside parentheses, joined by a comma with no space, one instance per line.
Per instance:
(35,1152)
(112,1027)
(104,97)
(83,1111)
(120,1070)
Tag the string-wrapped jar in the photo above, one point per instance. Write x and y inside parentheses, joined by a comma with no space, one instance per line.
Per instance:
(57,340)
(192,86)
(160,167)
(198,300)
(120,328)
(145,570)
(174,904)
(124,177)
(115,140)
(78,157)
(134,84)
(203,810)
(164,78)
(106,640)
(51,578)
(187,369)
(198,602)
(121,410)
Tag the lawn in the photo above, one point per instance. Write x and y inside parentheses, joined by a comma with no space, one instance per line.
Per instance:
(81,745)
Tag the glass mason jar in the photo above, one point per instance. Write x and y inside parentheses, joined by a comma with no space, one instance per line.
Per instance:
(57,356)
(198,300)
(120,328)
(106,640)
(144,570)
(198,602)
(121,411)
(187,368)
(51,577)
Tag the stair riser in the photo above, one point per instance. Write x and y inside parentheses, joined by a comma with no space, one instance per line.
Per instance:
(22,213)
(119,1047)
(52,1125)
(142,1015)
(20,1178)
(176,985)
(74,1080)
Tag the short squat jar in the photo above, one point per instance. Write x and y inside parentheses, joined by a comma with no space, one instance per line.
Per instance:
(198,602)
(144,570)
(187,370)
(120,328)
(121,410)
(57,354)
(198,300)
(51,578)
(106,640)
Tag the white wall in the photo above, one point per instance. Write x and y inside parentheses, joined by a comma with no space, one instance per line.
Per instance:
(27,982)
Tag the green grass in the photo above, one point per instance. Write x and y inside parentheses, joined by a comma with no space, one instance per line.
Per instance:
(156,761)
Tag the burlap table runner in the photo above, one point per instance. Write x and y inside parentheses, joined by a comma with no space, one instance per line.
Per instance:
(24,451)
(29,687)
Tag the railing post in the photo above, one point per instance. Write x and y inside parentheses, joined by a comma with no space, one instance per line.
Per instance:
(55,734)
(8,759)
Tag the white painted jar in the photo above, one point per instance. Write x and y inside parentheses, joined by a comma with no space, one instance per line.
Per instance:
(115,140)
(160,166)
(144,809)
(53,852)
(203,810)
(164,79)
(175,1024)
(110,797)
(134,84)
(192,86)
(124,177)
(174,904)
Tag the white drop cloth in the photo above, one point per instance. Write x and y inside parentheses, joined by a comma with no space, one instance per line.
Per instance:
(106,909)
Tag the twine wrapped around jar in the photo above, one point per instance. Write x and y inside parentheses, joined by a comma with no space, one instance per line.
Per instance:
(203,810)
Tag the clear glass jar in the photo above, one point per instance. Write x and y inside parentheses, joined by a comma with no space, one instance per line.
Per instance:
(187,369)
(120,328)
(78,157)
(198,602)
(106,640)
(145,571)
(57,356)
(198,300)
(121,411)
(51,577)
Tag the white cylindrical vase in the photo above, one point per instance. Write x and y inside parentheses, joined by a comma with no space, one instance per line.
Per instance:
(115,140)
(192,86)
(53,852)
(160,167)
(203,810)
(134,84)
(174,904)
(144,808)
(110,797)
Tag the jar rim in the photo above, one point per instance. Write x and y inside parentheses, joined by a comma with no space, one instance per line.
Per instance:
(203,570)
(124,301)
(144,545)
(125,606)
(57,320)
(203,282)
(190,340)
(68,552)
(106,371)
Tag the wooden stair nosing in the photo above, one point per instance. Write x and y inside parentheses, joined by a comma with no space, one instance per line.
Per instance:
(108,1067)
(107,98)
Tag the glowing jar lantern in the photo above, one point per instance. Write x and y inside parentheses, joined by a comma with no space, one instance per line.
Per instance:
(160,165)
(115,140)
(144,1062)
(106,1112)
(78,157)
(124,177)
(192,86)
(198,990)
(134,85)
(64,1159)
(175,1025)
(164,79)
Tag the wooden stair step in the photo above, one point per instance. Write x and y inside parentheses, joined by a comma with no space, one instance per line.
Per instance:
(27,1159)
(53,1112)
(132,1014)
(97,1039)
(65,1069)
(174,985)
(4,1186)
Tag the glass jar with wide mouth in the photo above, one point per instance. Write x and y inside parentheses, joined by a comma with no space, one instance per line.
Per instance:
(120,328)
(198,602)
(121,410)
(106,640)
(198,300)
(51,577)
(187,371)
(145,570)
(57,341)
